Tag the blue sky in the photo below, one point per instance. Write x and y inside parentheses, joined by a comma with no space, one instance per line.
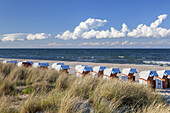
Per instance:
(44,23)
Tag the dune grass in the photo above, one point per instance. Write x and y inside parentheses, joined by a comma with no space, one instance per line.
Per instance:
(29,90)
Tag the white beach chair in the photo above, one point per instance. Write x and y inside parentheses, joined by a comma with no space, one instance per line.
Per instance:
(55,64)
(128,73)
(82,70)
(147,78)
(41,65)
(162,79)
(110,73)
(25,63)
(98,71)
(62,68)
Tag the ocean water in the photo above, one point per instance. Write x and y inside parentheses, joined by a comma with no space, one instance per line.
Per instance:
(122,56)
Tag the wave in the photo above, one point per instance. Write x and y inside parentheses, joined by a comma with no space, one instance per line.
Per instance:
(157,62)
(121,56)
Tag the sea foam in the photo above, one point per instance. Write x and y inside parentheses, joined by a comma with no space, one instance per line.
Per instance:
(157,62)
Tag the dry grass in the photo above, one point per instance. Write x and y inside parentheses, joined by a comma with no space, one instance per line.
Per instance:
(26,90)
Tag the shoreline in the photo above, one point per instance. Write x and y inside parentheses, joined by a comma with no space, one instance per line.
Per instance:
(72,64)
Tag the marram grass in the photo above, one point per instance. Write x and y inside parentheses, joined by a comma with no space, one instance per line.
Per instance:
(30,90)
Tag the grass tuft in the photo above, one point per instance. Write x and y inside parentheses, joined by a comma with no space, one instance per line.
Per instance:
(29,90)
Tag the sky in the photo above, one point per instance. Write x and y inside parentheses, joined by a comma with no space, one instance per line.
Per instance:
(84,24)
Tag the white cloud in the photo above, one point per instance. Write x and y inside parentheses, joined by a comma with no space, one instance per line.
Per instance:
(83,27)
(99,43)
(58,44)
(86,30)
(128,43)
(23,36)
(151,31)
(13,37)
(38,36)
(113,33)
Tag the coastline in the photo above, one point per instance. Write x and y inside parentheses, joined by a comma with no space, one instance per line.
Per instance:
(72,64)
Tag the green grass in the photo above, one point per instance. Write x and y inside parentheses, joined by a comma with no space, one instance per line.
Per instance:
(29,90)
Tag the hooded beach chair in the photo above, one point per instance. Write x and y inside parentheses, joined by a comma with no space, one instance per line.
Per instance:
(55,64)
(162,79)
(147,78)
(82,70)
(41,65)
(25,63)
(98,71)
(128,73)
(10,61)
(62,68)
(110,73)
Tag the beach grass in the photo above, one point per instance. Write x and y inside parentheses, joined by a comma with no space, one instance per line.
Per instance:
(30,90)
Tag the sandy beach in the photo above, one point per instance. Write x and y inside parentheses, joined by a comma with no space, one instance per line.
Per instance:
(72,65)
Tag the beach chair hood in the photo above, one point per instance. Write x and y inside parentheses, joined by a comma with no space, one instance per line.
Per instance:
(146,74)
(87,69)
(115,70)
(153,73)
(99,68)
(31,62)
(55,64)
(162,73)
(167,72)
(77,67)
(40,64)
(43,64)
(109,71)
(61,67)
(81,68)
(128,70)
(133,70)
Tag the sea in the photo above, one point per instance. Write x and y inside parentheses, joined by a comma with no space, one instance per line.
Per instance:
(121,56)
